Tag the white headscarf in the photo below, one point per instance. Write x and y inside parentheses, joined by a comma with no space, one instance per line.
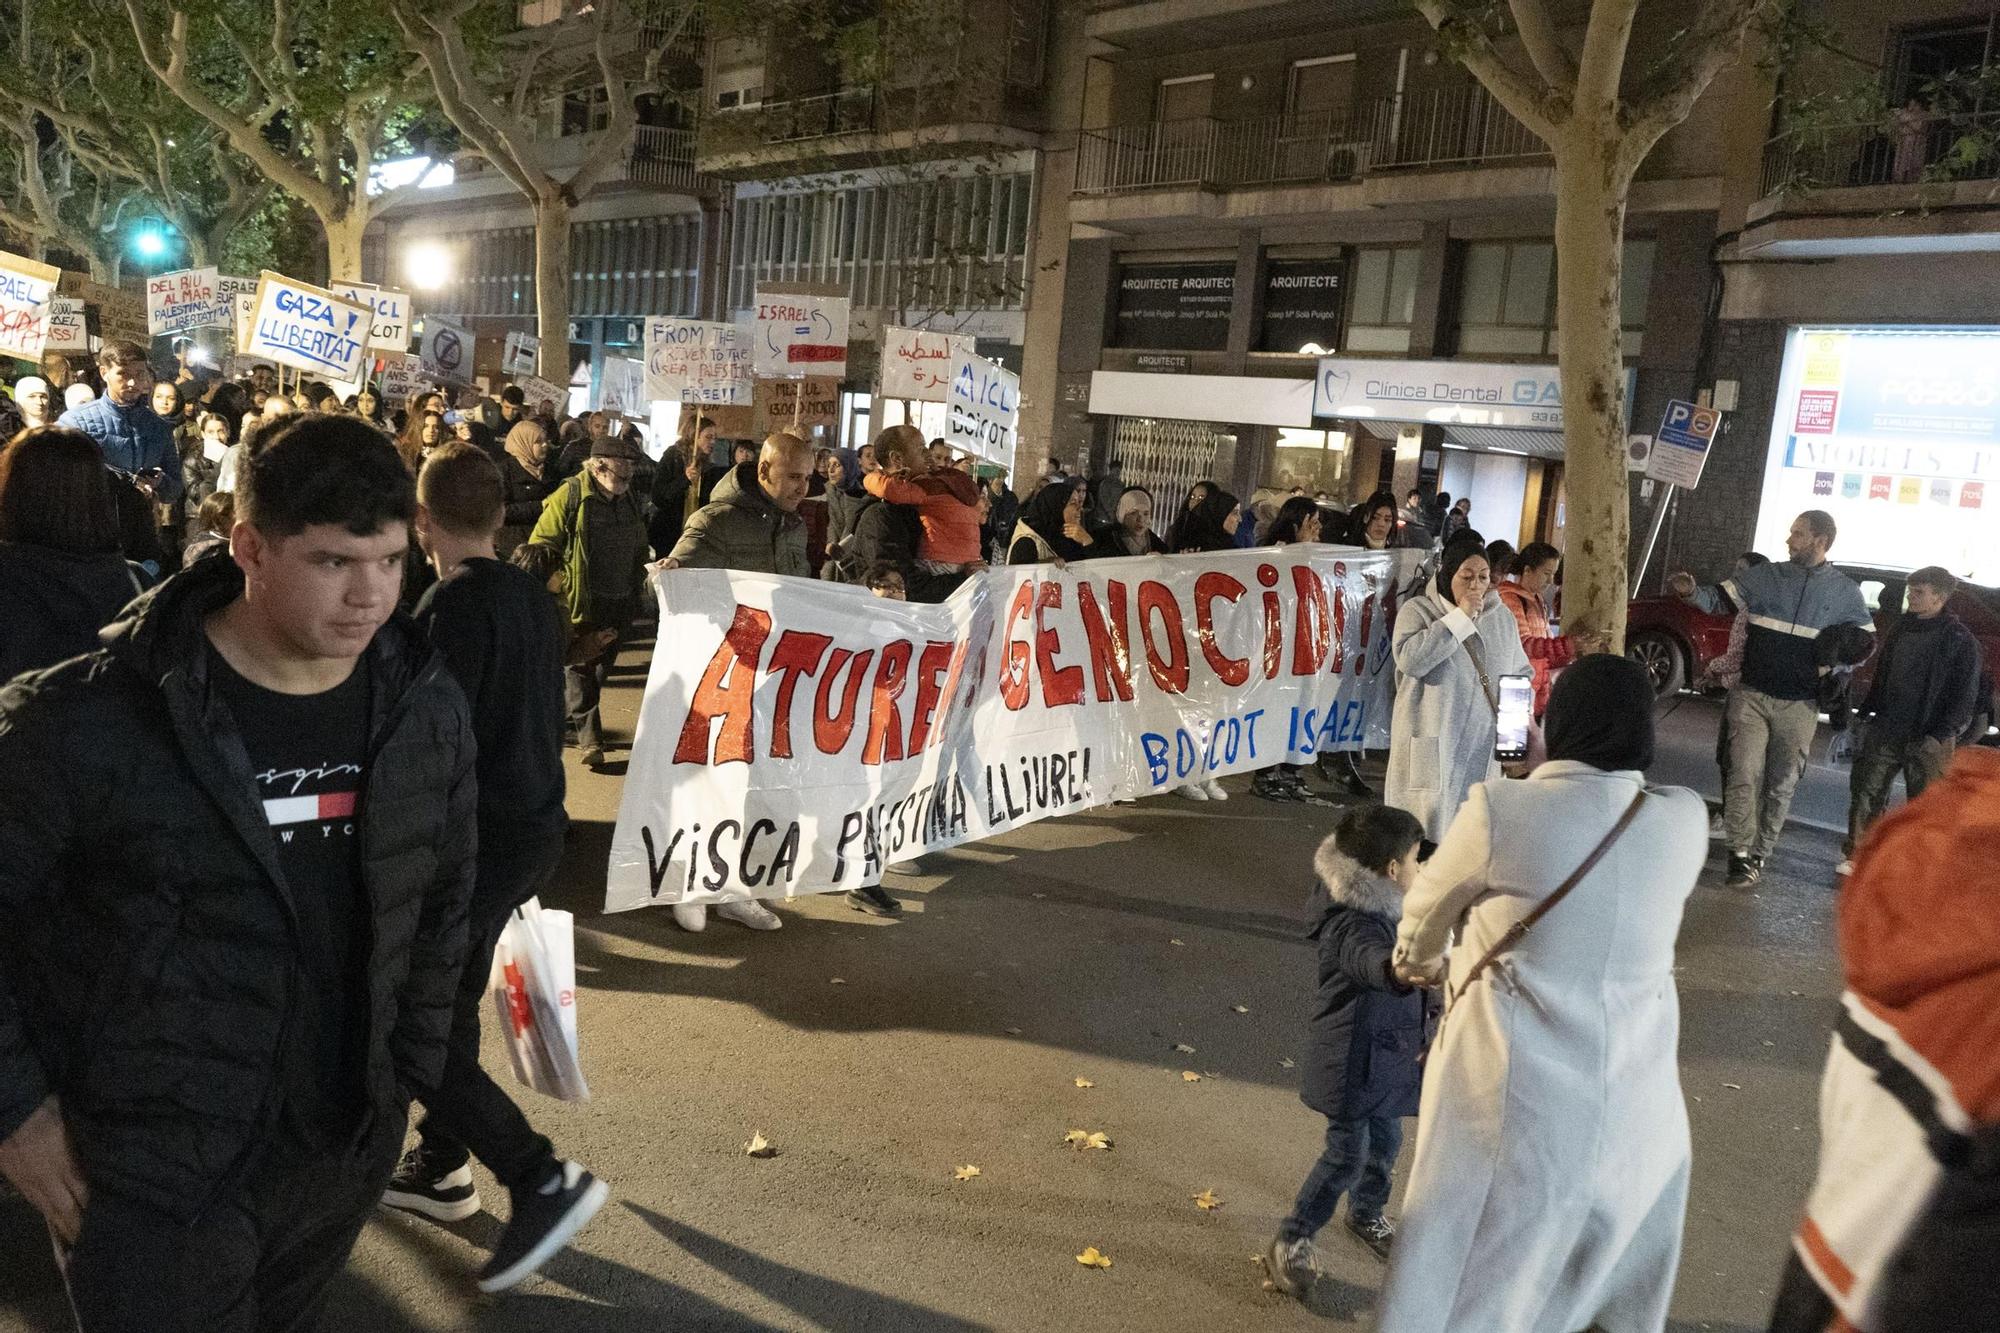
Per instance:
(28,384)
(76,395)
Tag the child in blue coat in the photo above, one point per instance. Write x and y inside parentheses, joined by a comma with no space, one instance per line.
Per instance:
(1368,1033)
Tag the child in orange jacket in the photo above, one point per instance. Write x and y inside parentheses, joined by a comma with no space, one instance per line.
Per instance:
(946,500)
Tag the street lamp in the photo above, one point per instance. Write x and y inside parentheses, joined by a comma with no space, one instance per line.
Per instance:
(150,242)
(428,265)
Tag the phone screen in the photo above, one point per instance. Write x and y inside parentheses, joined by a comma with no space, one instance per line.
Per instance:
(1517,712)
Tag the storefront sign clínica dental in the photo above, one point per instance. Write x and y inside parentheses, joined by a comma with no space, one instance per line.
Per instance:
(1466,393)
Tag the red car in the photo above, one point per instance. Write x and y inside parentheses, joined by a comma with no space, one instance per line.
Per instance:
(1675,641)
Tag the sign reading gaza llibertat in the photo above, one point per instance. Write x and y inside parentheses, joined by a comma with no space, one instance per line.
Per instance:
(797,736)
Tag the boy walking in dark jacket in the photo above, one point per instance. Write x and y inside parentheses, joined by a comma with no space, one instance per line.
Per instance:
(1368,1032)
(502,635)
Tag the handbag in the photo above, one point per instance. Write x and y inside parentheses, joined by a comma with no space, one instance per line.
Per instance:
(1519,930)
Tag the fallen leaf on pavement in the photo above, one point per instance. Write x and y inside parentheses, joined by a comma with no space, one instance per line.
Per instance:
(1241,1009)
(1013,1032)
(759,1146)
(1085,1083)
(1287,1063)
(1085,1138)
(1206,1201)
(1734,1087)
(1184,1048)
(1091,1258)
(1189,1076)
(1097,1139)
(965,1173)
(1182,944)
(837,981)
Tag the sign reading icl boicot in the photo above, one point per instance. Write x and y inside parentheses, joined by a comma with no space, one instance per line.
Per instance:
(308,328)
(797,737)
(983,400)
(26,288)
(185,299)
(916,363)
(699,361)
(388,314)
(796,334)
(1466,393)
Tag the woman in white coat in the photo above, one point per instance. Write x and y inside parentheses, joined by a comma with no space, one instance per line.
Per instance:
(1442,731)
(1550,1175)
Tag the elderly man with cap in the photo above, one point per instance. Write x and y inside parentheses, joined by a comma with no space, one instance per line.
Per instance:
(597,535)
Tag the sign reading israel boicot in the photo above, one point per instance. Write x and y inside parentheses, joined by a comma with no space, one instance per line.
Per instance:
(796,736)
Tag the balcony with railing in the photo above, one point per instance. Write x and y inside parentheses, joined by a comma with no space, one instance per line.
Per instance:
(664,158)
(1449,128)
(1907,148)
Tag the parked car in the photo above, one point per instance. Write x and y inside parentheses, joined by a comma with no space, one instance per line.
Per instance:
(1676,641)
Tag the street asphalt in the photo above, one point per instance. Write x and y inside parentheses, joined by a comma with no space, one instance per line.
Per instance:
(879,1057)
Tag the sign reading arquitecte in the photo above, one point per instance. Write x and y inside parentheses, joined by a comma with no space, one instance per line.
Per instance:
(1179,307)
(1304,303)
(1466,393)
(308,328)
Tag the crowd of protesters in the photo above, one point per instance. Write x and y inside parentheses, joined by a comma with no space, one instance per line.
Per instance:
(205,579)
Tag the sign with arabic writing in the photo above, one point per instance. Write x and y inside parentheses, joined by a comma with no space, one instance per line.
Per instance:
(799,330)
(916,363)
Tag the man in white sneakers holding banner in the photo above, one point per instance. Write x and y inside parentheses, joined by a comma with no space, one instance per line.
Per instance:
(502,635)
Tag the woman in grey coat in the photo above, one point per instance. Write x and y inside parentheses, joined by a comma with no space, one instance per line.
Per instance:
(1442,733)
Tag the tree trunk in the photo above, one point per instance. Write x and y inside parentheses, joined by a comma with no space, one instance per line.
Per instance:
(343,245)
(1590,229)
(552,274)
(101,269)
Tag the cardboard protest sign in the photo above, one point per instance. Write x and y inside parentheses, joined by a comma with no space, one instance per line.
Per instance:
(535,391)
(621,386)
(794,405)
(26,288)
(447,351)
(119,315)
(240,294)
(401,375)
(308,328)
(698,361)
(522,355)
(916,363)
(799,329)
(797,736)
(184,299)
(67,331)
(983,400)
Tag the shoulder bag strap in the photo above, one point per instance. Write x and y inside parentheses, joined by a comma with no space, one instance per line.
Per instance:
(1519,930)
(1478,659)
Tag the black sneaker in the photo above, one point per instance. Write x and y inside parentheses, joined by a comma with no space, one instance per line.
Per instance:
(1276,789)
(1292,1266)
(1744,871)
(424,1185)
(1378,1233)
(593,757)
(874,900)
(544,1221)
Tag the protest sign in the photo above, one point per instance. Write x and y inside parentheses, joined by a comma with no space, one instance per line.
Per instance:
(621,387)
(402,375)
(239,294)
(26,288)
(389,314)
(535,391)
(795,736)
(522,354)
(794,405)
(67,332)
(983,401)
(800,329)
(182,300)
(447,351)
(916,363)
(308,328)
(698,361)
(119,315)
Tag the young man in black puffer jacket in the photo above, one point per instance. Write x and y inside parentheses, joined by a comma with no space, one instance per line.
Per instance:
(236,846)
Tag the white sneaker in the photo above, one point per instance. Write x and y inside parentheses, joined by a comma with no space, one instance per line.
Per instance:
(1845,868)
(690,916)
(752,914)
(1215,791)
(1193,791)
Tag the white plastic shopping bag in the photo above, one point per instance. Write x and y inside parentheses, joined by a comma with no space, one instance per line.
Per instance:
(533,985)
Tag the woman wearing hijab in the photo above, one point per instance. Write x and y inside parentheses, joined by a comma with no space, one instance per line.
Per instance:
(1452,644)
(1552,1094)
(523,467)
(1197,493)
(32,397)
(1211,522)
(1050,529)
(1132,532)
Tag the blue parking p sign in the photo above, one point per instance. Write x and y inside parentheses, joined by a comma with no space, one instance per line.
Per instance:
(1681,447)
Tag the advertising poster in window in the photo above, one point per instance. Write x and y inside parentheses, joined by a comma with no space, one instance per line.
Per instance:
(1181,307)
(1896,433)
(1304,301)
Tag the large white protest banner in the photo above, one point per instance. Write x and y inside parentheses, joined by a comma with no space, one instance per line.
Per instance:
(187,298)
(621,386)
(26,289)
(699,361)
(795,736)
(308,328)
(447,351)
(67,329)
(799,330)
(983,399)
(916,363)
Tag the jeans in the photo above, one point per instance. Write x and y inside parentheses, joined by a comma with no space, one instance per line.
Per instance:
(1357,1160)
(1769,740)
(583,687)
(468,1112)
(256,1260)
(1921,762)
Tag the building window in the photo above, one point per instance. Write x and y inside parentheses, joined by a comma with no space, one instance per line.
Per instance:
(1507,298)
(1308,461)
(1321,90)
(628,269)
(1384,305)
(1027,35)
(1187,98)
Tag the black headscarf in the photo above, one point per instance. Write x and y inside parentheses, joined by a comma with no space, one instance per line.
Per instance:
(1601,713)
(1043,513)
(1203,530)
(1456,553)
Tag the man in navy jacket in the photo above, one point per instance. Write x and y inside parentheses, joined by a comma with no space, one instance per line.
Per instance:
(134,438)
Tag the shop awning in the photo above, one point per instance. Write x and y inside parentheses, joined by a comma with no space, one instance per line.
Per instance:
(1501,440)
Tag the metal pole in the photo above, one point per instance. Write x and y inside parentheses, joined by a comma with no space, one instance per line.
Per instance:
(1667,501)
